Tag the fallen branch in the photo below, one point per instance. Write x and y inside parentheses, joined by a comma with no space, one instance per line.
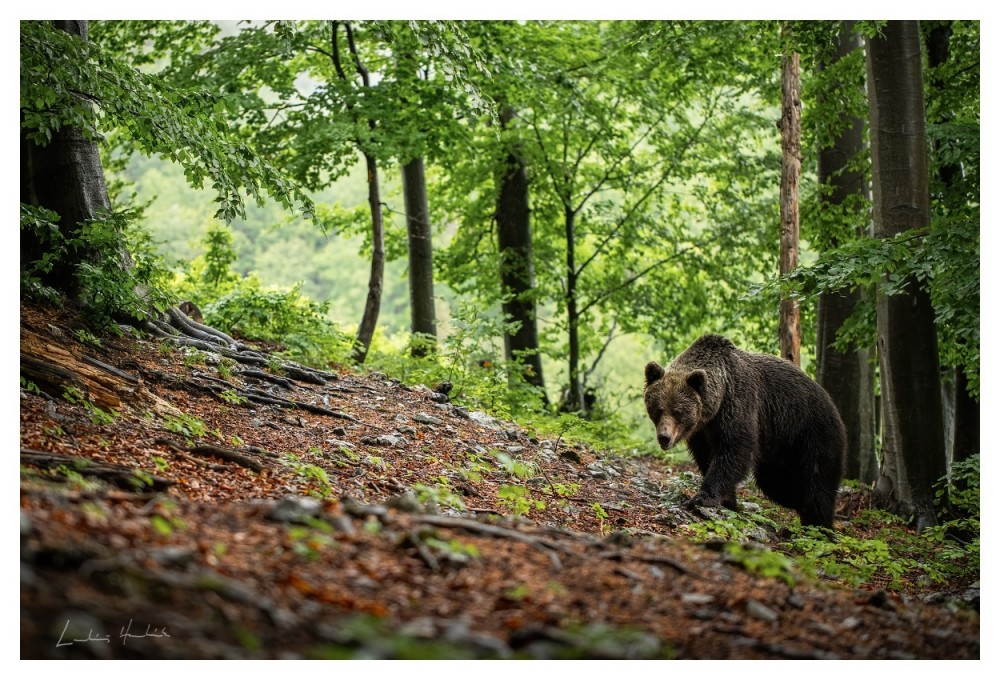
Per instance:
(227,454)
(131,479)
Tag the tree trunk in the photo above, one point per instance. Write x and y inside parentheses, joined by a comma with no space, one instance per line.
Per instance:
(789,333)
(963,423)
(575,401)
(517,271)
(423,323)
(65,176)
(370,317)
(913,438)
(847,376)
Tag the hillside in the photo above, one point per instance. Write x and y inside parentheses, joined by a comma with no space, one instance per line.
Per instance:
(182,506)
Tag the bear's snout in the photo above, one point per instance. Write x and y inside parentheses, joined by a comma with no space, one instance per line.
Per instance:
(665,440)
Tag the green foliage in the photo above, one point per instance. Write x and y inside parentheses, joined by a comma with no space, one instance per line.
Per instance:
(761,560)
(189,426)
(112,288)
(29,386)
(957,500)
(231,397)
(309,541)
(62,75)
(313,476)
(98,416)
(517,500)
(439,494)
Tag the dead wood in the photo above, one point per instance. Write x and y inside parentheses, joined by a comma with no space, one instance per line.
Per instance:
(131,479)
(225,453)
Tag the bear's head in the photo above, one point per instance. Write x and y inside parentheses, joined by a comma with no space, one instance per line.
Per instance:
(675,401)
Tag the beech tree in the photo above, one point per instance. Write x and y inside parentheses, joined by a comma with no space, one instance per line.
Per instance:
(913,438)
(78,243)
(844,367)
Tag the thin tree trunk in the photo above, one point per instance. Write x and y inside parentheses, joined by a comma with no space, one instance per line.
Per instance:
(576,401)
(913,438)
(366,329)
(847,376)
(789,333)
(423,323)
(517,272)
(65,176)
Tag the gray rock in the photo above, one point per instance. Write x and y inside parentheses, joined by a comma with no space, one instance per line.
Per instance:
(296,509)
(427,419)
(759,611)
(390,440)
(405,502)
(697,598)
(340,443)
(484,419)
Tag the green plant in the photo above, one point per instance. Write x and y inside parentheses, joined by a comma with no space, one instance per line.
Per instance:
(97,415)
(517,500)
(28,386)
(440,494)
(189,426)
(601,514)
(515,467)
(314,476)
(231,397)
(86,337)
(761,560)
(310,540)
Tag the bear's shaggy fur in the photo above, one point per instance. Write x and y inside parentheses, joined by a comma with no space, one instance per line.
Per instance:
(742,412)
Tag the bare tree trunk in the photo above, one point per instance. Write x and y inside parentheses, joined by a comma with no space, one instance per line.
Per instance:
(366,329)
(423,322)
(575,401)
(517,271)
(913,437)
(65,176)
(789,333)
(964,416)
(849,377)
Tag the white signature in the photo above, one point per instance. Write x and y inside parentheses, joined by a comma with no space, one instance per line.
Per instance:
(124,635)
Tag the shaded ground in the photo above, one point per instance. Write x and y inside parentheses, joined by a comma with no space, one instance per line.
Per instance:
(401,539)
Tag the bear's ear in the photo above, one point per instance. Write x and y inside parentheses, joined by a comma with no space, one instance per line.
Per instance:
(696,380)
(653,372)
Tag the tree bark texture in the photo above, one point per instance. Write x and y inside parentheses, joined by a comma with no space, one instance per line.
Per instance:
(517,270)
(962,420)
(789,333)
(423,322)
(849,377)
(366,330)
(913,434)
(65,176)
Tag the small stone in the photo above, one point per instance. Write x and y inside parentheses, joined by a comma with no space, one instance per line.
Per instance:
(760,611)
(480,418)
(342,524)
(515,449)
(850,623)
(427,419)
(795,601)
(405,502)
(173,556)
(340,431)
(697,598)
(295,509)
(390,440)
(340,443)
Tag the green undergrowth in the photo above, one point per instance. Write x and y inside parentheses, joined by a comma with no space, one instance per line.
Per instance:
(874,549)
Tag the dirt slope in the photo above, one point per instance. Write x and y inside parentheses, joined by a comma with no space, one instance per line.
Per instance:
(278,520)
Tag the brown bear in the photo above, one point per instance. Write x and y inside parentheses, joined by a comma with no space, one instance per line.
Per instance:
(740,412)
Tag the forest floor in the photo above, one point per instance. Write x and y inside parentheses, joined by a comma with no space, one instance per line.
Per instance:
(169,511)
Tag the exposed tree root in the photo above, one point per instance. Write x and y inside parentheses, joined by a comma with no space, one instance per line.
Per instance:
(122,477)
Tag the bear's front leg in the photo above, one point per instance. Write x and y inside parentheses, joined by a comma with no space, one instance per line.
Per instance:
(729,456)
